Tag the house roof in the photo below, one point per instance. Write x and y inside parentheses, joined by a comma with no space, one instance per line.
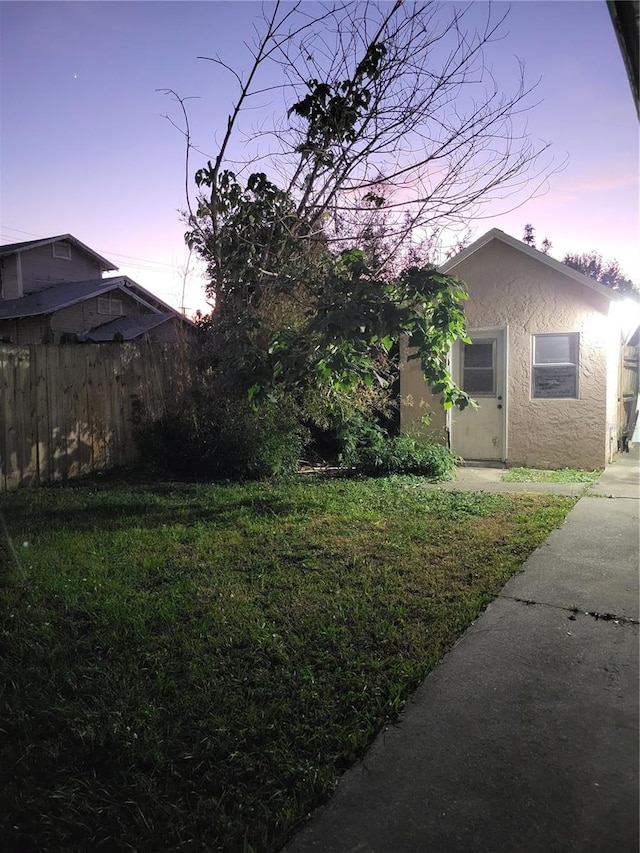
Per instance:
(552,263)
(625,17)
(128,327)
(27,245)
(68,293)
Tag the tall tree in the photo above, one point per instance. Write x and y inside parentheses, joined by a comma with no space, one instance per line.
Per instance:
(392,110)
(529,237)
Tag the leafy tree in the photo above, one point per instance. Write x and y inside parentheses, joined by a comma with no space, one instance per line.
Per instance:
(313,266)
(606,272)
(529,235)
(530,239)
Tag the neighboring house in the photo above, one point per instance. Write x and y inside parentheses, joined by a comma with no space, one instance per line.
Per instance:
(544,365)
(52,291)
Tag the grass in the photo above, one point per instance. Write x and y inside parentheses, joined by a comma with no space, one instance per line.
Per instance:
(191,667)
(564,475)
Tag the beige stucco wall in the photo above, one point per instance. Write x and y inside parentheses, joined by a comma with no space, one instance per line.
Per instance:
(510,289)
(417,403)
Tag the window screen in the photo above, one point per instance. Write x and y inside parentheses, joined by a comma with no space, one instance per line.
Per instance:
(478,368)
(554,372)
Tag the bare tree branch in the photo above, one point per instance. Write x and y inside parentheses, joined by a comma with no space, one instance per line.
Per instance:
(393,102)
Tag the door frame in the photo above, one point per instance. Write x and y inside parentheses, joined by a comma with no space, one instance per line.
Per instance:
(501,333)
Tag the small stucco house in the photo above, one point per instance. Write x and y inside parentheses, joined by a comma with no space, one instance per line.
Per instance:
(544,365)
(53,291)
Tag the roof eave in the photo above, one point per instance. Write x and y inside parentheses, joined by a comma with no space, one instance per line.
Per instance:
(106,285)
(552,263)
(35,244)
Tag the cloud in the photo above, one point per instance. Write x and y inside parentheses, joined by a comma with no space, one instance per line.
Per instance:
(600,183)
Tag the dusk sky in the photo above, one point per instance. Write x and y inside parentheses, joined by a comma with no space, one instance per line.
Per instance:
(85,148)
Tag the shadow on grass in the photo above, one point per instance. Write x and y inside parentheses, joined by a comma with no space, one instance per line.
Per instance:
(115,506)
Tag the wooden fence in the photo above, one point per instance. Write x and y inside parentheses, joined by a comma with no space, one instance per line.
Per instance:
(629,396)
(67,410)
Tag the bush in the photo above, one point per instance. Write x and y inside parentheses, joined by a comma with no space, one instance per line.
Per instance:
(210,436)
(368,449)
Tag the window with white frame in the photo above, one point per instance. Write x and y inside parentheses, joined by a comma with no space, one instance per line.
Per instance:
(109,305)
(62,250)
(554,372)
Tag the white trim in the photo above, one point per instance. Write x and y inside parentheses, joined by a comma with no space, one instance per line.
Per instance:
(108,305)
(19,287)
(533,364)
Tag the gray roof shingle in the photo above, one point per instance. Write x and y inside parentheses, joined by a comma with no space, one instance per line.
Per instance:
(26,245)
(58,296)
(129,328)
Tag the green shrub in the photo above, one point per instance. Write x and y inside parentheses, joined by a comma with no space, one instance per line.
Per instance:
(206,435)
(368,449)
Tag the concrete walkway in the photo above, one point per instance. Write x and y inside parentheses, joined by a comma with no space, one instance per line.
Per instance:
(525,737)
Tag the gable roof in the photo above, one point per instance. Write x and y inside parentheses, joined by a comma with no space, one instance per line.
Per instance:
(552,263)
(57,296)
(129,327)
(27,245)
(68,293)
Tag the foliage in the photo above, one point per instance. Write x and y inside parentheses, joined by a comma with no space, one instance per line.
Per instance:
(186,661)
(209,434)
(358,319)
(606,272)
(591,264)
(311,276)
(369,449)
(529,235)
(529,238)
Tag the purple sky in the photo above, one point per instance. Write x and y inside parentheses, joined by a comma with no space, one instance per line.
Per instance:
(85,149)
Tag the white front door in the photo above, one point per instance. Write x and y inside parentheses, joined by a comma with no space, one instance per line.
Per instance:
(479,368)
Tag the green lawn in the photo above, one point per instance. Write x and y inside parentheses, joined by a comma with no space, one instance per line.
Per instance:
(563,475)
(191,667)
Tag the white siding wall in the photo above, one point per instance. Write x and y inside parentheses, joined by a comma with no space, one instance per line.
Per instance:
(10,283)
(40,269)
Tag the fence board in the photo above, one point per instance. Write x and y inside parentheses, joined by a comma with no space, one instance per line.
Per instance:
(66,411)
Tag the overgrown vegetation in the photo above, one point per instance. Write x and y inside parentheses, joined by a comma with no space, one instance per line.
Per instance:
(319,244)
(189,667)
(563,475)
(207,437)
(368,449)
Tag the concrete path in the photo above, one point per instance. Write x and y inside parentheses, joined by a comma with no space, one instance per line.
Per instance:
(525,737)
(490,480)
